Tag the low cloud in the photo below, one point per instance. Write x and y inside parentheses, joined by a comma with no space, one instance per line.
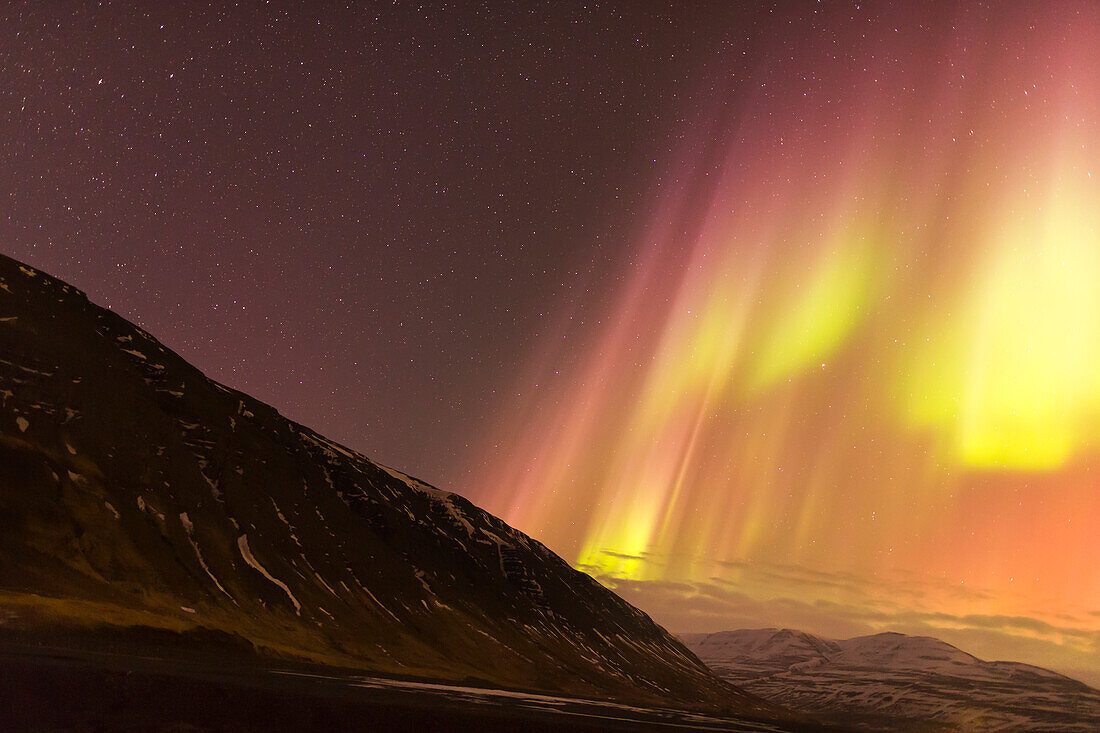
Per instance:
(841,605)
(623,555)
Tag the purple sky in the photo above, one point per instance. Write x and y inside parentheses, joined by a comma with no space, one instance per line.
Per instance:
(364,216)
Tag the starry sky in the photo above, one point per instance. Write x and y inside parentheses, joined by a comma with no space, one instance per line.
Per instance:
(764,315)
(366,216)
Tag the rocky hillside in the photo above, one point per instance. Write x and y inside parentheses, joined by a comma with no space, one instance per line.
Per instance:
(135,493)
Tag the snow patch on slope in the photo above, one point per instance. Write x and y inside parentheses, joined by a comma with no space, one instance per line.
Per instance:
(189,529)
(246,553)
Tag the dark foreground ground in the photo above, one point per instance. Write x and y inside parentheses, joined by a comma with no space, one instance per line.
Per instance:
(51,688)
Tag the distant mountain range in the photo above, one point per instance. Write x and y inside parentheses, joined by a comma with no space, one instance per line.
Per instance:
(897,682)
(137,495)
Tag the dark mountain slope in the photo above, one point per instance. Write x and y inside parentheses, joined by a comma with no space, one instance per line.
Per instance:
(135,492)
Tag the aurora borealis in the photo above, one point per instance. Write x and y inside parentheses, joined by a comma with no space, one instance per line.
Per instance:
(766,314)
(852,363)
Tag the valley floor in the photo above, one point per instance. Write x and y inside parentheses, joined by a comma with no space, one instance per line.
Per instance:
(52,688)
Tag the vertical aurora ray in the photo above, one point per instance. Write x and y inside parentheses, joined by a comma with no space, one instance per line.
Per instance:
(876,352)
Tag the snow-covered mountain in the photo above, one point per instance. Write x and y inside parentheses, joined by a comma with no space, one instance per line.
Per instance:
(893,681)
(138,496)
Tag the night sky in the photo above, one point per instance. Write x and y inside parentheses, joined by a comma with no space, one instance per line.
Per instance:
(365,216)
(764,315)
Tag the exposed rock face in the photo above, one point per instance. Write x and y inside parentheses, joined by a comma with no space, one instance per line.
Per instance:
(897,682)
(136,492)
